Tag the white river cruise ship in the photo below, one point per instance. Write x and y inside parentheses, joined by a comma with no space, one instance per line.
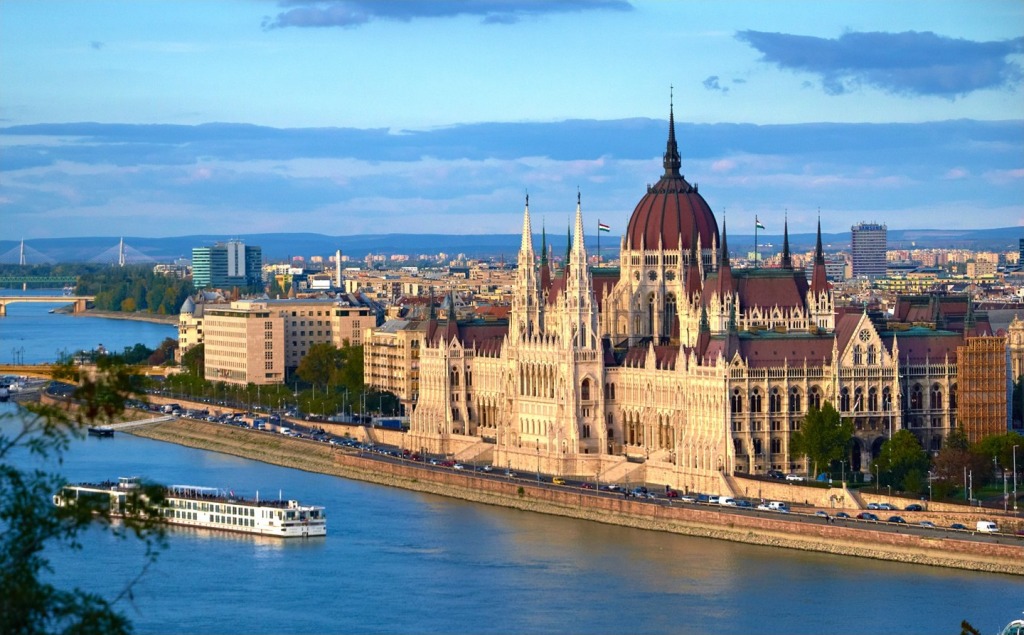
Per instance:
(212,508)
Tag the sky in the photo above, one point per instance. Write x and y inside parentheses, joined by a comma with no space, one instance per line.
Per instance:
(340,117)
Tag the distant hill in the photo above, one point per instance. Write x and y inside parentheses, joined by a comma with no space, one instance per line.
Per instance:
(278,247)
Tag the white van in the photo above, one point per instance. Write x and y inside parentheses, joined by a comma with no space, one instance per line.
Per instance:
(778,506)
(987,527)
(727,501)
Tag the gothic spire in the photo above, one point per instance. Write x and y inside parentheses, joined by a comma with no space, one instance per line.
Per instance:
(787,259)
(819,253)
(526,246)
(671,160)
(543,245)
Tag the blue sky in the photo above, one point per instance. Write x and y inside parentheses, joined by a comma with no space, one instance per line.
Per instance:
(343,117)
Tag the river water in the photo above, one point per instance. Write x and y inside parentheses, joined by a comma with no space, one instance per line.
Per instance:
(404,562)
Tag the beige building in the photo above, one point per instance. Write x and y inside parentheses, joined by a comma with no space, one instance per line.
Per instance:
(244,343)
(673,368)
(303,323)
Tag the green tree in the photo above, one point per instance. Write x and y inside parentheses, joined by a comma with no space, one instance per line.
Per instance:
(320,364)
(194,361)
(823,436)
(30,602)
(1000,448)
(902,458)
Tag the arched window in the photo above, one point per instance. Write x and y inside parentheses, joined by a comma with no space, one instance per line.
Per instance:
(775,400)
(755,400)
(670,314)
(737,445)
(886,399)
(794,399)
(736,401)
(650,314)
(952,397)
(814,399)
(857,358)
(858,399)
(935,400)
(585,390)
(916,398)
(872,399)
(872,359)
(844,399)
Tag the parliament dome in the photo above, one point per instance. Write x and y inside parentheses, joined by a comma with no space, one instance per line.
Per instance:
(672,210)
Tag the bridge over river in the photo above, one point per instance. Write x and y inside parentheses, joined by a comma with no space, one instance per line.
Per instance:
(79,302)
(46,371)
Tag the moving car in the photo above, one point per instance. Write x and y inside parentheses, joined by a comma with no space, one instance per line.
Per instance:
(867,516)
(558,480)
(958,526)
(794,477)
(896,519)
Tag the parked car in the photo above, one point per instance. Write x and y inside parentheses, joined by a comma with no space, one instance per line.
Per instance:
(794,477)
(687,499)
(889,507)
(713,499)
(743,503)
(914,507)
(896,519)
(727,501)
(867,516)
(873,506)
(776,474)
(778,506)
(671,494)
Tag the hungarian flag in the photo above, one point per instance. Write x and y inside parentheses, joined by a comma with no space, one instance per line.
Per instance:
(757,223)
(601,227)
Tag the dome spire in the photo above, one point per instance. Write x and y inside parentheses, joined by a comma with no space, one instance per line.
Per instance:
(671,159)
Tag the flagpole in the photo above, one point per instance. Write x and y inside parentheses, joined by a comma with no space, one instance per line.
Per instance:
(755,241)
(599,242)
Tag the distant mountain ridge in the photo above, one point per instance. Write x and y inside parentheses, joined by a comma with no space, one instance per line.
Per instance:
(280,246)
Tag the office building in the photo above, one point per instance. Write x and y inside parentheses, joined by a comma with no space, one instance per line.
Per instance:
(868,246)
(227,265)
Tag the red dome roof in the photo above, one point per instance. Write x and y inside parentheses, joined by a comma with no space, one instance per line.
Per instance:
(672,209)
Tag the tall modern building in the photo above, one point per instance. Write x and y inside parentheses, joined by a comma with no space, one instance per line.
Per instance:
(226,265)
(869,244)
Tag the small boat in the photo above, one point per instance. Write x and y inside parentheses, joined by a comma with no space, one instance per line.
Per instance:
(1016,627)
(208,508)
(101,431)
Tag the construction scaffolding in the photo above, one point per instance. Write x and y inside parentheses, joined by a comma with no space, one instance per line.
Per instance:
(982,382)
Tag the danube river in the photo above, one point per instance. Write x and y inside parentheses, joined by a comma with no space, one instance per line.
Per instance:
(404,562)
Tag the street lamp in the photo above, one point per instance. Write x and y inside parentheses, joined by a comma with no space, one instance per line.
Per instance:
(1015,479)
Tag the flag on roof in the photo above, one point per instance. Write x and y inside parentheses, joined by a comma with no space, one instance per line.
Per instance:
(601,227)
(757,223)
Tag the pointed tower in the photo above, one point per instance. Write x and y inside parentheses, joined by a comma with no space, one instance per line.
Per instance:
(526,305)
(819,297)
(580,307)
(787,259)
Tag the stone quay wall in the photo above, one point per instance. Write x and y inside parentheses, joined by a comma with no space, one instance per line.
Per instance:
(756,529)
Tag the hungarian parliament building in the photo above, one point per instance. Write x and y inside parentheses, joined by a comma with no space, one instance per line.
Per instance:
(677,364)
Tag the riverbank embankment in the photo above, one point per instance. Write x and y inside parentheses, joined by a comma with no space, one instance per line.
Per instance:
(154,318)
(774,530)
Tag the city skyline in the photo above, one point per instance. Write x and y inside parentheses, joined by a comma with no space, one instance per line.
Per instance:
(350,117)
